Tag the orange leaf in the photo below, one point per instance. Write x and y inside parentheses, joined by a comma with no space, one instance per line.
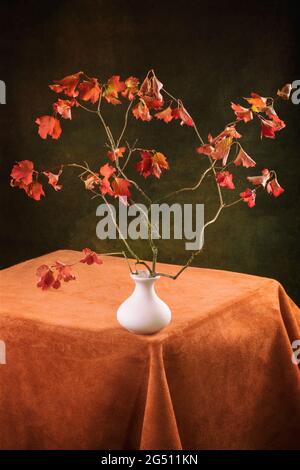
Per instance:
(48,125)
(90,257)
(89,90)
(181,113)
(141,111)
(107,171)
(63,107)
(166,115)
(150,91)
(113,87)
(244,159)
(132,88)
(258,103)
(53,179)
(67,85)
(120,187)
(224,179)
(249,196)
(22,171)
(285,91)
(117,153)
(242,114)
(152,163)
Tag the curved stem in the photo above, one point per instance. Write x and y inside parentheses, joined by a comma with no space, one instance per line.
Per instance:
(192,188)
(118,229)
(195,253)
(125,123)
(87,109)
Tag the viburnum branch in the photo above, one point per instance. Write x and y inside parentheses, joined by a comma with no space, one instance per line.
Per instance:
(111,179)
(142,192)
(87,169)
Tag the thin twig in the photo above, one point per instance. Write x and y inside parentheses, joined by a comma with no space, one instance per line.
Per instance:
(192,188)
(125,124)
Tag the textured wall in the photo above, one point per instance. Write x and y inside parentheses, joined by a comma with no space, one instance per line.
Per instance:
(209,56)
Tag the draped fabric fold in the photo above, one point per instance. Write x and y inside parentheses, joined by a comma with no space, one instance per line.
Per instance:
(159,425)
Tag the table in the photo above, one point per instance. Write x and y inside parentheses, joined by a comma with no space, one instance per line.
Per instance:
(219,377)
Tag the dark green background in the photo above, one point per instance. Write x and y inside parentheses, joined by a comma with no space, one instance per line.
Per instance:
(205,53)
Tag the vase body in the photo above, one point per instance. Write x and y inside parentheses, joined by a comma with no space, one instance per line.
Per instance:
(144,312)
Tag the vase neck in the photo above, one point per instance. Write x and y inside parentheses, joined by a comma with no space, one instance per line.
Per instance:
(145,285)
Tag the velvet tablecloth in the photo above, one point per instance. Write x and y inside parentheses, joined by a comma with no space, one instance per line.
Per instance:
(219,377)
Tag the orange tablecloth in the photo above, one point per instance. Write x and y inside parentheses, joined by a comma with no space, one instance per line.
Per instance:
(219,377)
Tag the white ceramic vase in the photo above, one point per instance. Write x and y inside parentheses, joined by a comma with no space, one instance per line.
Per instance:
(144,312)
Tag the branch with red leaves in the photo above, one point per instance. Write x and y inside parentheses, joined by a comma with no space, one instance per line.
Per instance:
(145,101)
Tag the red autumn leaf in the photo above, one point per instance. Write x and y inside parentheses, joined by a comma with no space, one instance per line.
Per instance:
(249,196)
(224,179)
(120,187)
(90,257)
(181,113)
(258,103)
(117,153)
(67,85)
(89,90)
(90,181)
(285,91)
(141,111)
(64,272)
(222,150)
(166,114)
(45,277)
(56,284)
(132,88)
(244,159)
(145,164)
(150,91)
(53,179)
(22,171)
(48,125)
(273,187)
(34,190)
(159,163)
(107,171)
(152,163)
(229,131)
(270,127)
(261,179)
(63,107)
(267,129)
(242,114)
(205,149)
(271,113)
(105,187)
(113,87)
(218,147)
